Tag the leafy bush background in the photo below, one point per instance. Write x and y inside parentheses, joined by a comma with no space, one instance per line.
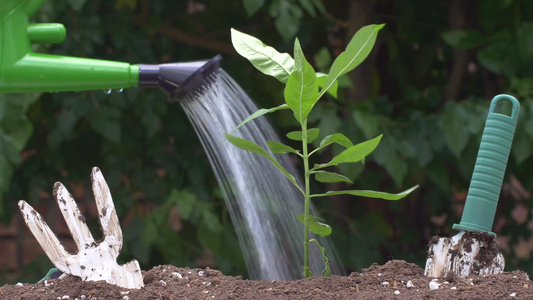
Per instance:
(427,87)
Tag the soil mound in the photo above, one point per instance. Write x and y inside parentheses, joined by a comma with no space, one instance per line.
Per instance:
(394,280)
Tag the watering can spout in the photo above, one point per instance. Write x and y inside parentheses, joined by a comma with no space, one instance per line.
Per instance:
(23,71)
(179,78)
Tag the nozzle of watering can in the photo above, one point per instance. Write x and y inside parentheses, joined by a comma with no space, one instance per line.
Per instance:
(486,183)
(24,71)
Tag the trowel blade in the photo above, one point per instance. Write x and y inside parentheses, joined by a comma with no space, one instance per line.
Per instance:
(466,253)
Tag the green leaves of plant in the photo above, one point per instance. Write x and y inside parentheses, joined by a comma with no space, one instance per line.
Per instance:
(280,148)
(369,194)
(327,270)
(301,94)
(329,177)
(106,122)
(254,148)
(312,134)
(338,138)
(356,52)
(463,39)
(455,128)
(287,16)
(259,113)
(301,91)
(321,80)
(264,58)
(252,6)
(354,153)
(316,225)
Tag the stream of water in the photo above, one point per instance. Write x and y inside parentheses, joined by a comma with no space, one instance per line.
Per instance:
(263,204)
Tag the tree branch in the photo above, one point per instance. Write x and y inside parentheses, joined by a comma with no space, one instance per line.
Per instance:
(460,56)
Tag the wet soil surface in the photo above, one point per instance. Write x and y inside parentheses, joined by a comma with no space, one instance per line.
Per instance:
(395,280)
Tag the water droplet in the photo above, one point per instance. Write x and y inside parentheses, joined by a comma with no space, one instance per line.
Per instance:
(108,91)
(119,90)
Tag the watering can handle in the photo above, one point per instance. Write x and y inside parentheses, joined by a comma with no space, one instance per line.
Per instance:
(32,6)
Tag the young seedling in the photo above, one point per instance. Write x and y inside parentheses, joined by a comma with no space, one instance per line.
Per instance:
(303,88)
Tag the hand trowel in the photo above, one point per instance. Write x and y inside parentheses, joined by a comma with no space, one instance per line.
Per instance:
(473,251)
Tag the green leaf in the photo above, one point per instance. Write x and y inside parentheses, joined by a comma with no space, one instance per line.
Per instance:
(528,125)
(327,269)
(9,151)
(321,80)
(328,120)
(280,148)
(288,16)
(316,225)
(525,41)
(106,126)
(501,58)
(388,157)
(259,113)
(295,135)
(254,148)
(367,121)
(454,125)
(352,171)
(328,177)
(356,52)
(338,138)
(369,194)
(356,153)
(211,220)
(151,123)
(312,134)
(322,59)
(149,233)
(521,148)
(184,201)
(6,172)
(19,133)
(320,6)
(438,173)
(308,6)
(252,6)
(264,58)
(463,39)
(301,91)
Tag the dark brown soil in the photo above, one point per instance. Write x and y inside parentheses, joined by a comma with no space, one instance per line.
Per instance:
(395,280)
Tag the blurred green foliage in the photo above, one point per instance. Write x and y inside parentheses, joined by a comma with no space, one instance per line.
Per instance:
(435,69)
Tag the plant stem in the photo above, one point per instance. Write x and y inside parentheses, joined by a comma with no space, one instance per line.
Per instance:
(307,197)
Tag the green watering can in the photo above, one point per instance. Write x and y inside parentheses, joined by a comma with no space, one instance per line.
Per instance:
(23,71)
(484,191)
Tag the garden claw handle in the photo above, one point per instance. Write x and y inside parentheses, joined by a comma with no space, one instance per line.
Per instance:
(95,260)
(486,183)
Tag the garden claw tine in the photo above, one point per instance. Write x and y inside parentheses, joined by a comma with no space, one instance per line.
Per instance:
(44,235)
(75,220)
(106,211)
(93,261)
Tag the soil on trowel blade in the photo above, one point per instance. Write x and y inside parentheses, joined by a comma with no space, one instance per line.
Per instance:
(395,280)
(486,253)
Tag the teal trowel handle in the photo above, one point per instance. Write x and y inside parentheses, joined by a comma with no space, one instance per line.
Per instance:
(484,191)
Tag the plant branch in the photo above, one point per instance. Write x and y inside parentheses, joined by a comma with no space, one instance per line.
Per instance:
(307,204)
(458,21)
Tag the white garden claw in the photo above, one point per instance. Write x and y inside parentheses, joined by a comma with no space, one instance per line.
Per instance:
(95,260)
